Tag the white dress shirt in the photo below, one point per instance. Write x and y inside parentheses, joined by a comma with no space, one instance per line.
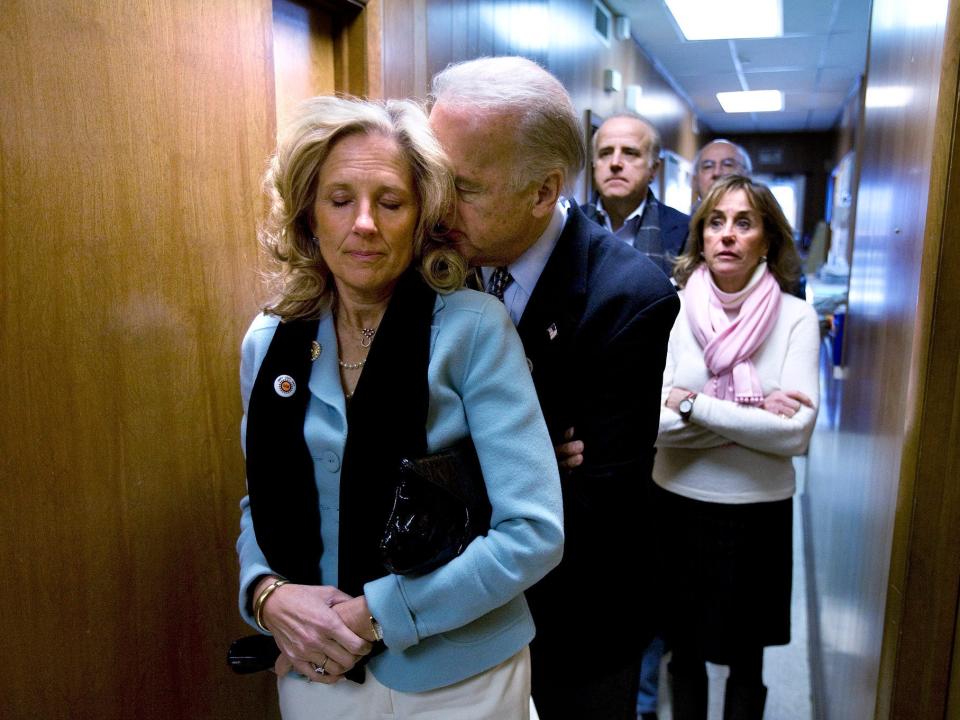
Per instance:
(637,212)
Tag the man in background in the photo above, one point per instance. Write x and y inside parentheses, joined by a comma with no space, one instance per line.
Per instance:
(715,160)
(626,159)
(594,317)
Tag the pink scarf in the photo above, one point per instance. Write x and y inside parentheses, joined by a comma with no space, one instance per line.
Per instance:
(729,344)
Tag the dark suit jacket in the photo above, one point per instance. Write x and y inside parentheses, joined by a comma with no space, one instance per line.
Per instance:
(595,330)
(674,225)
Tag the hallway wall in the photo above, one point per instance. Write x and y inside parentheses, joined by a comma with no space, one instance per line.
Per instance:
(879,480)
(421,37)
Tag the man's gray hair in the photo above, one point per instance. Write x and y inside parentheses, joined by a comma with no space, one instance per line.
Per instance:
(656,144)
(549,134)
(744,156)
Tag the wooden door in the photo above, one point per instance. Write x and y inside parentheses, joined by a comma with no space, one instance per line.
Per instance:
(133,137)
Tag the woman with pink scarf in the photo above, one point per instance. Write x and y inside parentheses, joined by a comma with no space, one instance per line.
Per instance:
(740,391)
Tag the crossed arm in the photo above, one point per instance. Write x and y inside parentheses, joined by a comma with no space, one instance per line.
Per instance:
(781,425)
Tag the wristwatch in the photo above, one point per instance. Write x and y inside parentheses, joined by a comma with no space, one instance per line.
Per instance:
(686,406)
(377,629)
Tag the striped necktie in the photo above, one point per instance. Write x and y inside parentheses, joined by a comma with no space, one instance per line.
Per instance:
(498,282)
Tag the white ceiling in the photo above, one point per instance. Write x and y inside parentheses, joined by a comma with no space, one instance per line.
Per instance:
(816,64)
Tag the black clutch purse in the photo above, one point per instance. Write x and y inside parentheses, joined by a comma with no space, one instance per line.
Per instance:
(439,506)
(252,653)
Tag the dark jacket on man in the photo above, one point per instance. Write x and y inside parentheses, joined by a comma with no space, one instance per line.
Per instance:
(660,233)
(595,332)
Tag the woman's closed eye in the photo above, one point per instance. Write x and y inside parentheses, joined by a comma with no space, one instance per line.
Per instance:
(391,203)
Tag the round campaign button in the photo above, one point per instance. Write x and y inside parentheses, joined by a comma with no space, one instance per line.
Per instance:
(285,385)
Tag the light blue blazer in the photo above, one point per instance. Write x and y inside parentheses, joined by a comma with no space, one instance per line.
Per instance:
(469,615)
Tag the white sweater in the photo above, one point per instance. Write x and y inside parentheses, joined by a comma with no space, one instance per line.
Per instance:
(731,453)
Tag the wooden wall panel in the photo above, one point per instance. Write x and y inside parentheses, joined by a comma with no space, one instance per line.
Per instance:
(322,47)
(404,49)
(556,33)
(358,46)
(132,138)
(304,57)
(924,586)
(882,451)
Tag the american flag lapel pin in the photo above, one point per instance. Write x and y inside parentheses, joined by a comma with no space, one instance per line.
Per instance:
(552,331)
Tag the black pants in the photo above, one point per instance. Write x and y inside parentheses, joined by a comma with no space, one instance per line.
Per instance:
(745,693)
(561,692)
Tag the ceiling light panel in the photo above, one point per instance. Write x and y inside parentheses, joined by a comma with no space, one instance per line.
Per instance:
(751,101)
(712,20)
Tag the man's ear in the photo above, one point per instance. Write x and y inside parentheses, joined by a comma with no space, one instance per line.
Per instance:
(548,193)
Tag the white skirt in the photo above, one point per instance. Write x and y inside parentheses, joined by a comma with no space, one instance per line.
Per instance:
(500,693)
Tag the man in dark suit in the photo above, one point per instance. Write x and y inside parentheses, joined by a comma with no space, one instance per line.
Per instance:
(626,159)
(594,316)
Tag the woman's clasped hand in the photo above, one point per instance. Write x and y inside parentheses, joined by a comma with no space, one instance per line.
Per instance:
(316,627)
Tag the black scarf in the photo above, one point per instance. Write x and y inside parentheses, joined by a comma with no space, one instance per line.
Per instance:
(283,497)
(386,421)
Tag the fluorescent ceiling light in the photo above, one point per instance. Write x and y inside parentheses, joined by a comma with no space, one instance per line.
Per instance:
(890,96)
(664,106)
(713,20)
(751,101)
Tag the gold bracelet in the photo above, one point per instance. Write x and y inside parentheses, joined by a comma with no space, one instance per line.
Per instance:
(377,629)
(261,599)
